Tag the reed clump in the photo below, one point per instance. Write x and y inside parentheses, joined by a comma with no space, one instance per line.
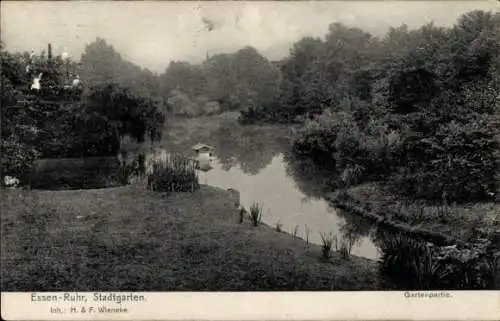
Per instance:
(256,213)
(174,173)
(326,245)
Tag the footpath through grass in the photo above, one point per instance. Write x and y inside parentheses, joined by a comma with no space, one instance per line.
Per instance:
(127,238)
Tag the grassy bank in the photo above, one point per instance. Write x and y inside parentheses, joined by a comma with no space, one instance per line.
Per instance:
(428,246)
(456,221)
(127,238)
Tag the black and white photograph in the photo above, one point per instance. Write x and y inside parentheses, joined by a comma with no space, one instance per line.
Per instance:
(249,146)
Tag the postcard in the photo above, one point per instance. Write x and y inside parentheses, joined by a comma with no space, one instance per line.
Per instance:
(250,160)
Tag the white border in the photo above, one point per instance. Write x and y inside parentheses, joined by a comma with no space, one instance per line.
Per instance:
(461,305)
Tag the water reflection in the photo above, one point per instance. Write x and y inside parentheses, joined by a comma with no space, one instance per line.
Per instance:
(251,148)
(284,203)
(314,182)
(311,180)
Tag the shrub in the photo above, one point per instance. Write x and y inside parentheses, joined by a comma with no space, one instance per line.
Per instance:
(75,173)
(17,158)
(173,174)
(407,262)
(351,175)
(315,140)
(415,265)
(459,163)
(335,140)
(319,138)
(382,149)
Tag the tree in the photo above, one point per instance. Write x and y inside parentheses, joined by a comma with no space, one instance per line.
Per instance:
(100,63)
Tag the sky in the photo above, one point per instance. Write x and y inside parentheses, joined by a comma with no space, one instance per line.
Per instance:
(151,34)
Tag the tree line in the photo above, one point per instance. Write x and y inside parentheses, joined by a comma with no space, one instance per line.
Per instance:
(416,109)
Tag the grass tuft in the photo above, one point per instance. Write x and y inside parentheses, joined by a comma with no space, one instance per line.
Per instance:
(412,264)
(344,247)
(256,213)
(242,213)
(124,173)
(295,231)
(327,244)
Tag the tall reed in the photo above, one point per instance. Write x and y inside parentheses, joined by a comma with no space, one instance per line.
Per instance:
(174,173)
(295,231)
(307,235)
(256,213)
(242,213)
(327,244)
(416,265)
(344,246)
(123,174)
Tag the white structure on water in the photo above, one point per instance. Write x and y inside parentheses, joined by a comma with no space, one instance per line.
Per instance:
(204,156)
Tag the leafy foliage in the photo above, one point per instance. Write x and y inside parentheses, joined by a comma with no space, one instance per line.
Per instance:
(223,82)
(417,107)
(17,157)
(415,265)
(76,173)
(69,121)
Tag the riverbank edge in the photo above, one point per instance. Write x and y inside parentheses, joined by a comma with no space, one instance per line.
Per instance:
(384,222)
(234,197)
(348,201)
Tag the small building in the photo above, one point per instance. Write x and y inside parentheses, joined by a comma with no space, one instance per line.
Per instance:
(202,148)
(204,155)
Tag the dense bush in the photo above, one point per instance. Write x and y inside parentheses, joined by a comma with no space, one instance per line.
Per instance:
(458,160)
(335,140)
(76,173)
(317,138)
(17,158)
(459,163)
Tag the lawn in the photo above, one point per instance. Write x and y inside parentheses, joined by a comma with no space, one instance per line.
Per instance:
(128,238)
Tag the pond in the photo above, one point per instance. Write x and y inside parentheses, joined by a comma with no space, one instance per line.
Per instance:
(284,203)
(255,160)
